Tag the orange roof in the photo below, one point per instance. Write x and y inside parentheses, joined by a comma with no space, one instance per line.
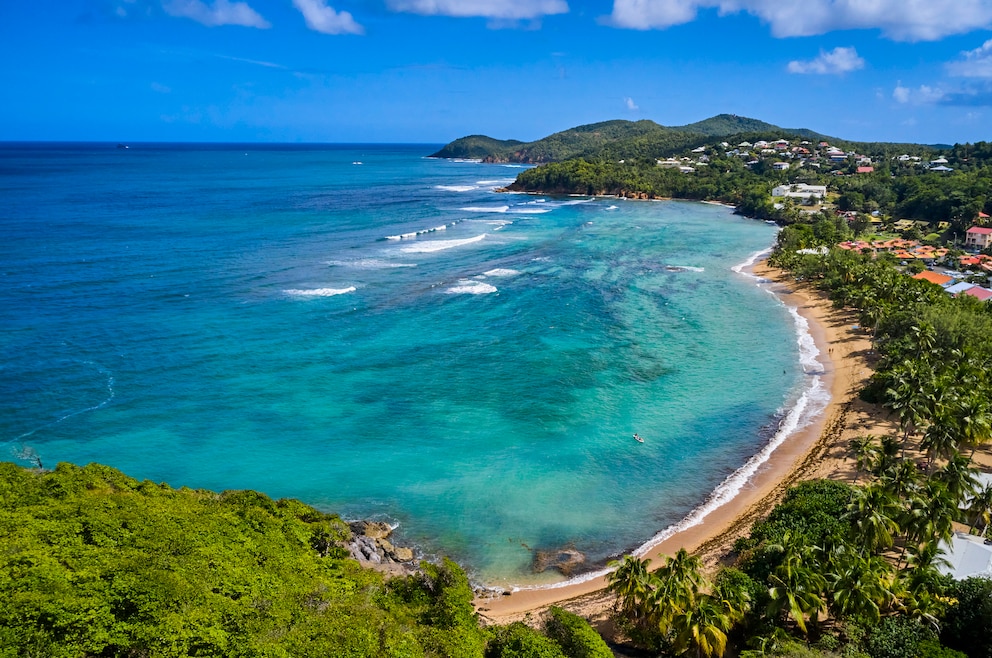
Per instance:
(970,260)
(933,277)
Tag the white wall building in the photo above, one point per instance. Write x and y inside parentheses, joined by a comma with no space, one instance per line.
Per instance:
(800,191)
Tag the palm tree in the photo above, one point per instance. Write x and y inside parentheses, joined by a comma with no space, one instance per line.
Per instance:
(797,585)
(873,513)
(861,585)
(704,627)
(958,476)
(866,454)
(900,480)
(630,582)
(980,507)
(940,440)
(674,588)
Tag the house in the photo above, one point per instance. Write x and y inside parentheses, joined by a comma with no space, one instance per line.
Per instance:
(978,238)
(686,170)
(941,280)
(982,294)
(800,191)
(939,161)
(781,145)
(941,168)
(701,149)
(780,166)
(865,170)
(959,288)
(670,163)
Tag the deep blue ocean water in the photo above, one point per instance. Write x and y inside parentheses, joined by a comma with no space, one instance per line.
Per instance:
(380,334)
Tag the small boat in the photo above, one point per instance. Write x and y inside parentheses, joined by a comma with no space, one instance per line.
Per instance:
(637,437)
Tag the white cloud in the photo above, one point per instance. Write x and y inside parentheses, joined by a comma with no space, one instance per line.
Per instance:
(900,94)
(922,95)
(321,18)
(220,12)
(494,9)
(901,20)
(975,63)
(631,105)
(837,61)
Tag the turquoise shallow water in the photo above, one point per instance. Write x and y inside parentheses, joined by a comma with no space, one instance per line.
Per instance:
(249,317)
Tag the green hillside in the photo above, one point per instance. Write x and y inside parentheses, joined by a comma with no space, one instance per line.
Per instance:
(94,563)
(475,147)
(618,139)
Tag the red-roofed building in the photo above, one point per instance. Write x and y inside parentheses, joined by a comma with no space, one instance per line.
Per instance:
(983,294)
(982,215)
(933,277)
(978,237)
(865,170)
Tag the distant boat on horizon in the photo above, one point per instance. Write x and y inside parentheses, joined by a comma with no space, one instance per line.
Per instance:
(123,146)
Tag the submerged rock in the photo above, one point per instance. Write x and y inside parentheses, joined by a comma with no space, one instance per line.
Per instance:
(565,560)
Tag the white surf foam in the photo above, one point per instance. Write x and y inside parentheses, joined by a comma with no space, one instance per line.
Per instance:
(466,287)
(502,181)
(456,188)
(528,211)
(751,260)
(319,292)
(369,264)
(613,207)
(576,202)
(684,268)
(438,245)
(407,236)
(500,271)
(485,209)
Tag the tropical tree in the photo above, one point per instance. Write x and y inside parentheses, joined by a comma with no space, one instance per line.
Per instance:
(980,508)
(630,581)
(873,513)
(797,585)
(703,629)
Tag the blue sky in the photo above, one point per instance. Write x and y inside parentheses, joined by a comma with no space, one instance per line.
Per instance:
(434,70)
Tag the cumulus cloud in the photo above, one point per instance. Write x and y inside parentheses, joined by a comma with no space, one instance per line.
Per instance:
(901,20)
(493,9)
(631,105)
(975,63)
(922,95)
(220,12)
(837,61)
(321,18)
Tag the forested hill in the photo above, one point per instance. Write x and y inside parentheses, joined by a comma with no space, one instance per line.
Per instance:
(612,139)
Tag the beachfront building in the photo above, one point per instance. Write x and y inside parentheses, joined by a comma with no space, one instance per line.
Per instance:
(967,556)
(978,238)
(800,191)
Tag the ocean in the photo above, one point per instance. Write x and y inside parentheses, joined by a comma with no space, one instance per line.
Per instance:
(382,335)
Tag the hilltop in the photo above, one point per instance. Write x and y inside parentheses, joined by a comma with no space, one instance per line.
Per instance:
(612,139)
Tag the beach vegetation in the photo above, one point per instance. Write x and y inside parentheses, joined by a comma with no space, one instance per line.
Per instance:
(95,563)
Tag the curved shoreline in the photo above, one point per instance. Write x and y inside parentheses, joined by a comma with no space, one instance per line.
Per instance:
(713,531)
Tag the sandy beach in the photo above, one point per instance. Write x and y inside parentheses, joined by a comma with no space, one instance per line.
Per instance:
(819,450)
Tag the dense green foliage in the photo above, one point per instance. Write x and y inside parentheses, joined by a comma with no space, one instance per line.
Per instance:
(94,563)
(968,625)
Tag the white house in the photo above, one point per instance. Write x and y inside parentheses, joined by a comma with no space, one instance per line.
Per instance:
(800,191)
(967,555)
(780,166)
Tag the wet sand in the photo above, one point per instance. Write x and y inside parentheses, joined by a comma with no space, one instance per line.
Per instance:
(819,450)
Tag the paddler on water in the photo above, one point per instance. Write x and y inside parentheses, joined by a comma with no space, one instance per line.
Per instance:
(637,437)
